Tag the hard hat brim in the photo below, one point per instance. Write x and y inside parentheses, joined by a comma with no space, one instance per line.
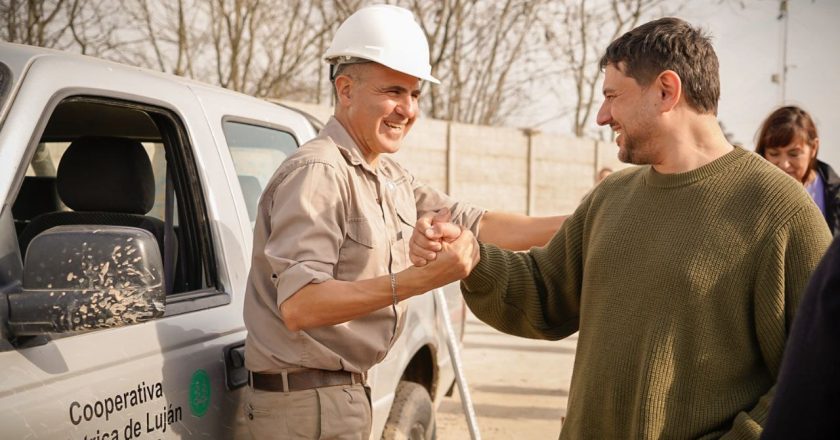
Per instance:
(336,61)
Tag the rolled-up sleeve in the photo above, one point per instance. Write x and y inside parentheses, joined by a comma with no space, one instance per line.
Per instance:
(430,199)
(307,217)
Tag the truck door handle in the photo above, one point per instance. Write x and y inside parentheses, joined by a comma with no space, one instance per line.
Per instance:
(236,376)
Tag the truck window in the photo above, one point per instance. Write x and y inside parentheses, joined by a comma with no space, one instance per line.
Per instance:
(5,84)
(257,151)
(107,162)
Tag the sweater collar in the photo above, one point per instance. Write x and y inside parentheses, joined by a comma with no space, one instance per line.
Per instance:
(657,180)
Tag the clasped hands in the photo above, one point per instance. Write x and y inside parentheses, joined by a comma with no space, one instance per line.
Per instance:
(445,249)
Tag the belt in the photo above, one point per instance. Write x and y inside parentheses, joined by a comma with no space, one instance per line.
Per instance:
(302,380)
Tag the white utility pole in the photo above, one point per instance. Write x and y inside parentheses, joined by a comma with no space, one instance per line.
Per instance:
(782,77)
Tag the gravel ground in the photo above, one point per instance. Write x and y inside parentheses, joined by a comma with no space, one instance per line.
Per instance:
(519,386)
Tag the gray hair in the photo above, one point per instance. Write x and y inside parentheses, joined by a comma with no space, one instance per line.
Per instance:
(339,64)
(345,66)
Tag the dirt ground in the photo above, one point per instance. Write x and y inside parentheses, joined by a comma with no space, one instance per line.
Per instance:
(519,386)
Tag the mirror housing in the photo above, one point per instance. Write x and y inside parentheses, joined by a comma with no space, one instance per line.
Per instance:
(86,277)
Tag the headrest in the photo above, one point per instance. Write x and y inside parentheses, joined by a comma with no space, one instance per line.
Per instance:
(37,196)
(251,190)
(109,174)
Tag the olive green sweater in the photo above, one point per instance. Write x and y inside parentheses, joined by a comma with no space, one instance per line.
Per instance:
(683,288)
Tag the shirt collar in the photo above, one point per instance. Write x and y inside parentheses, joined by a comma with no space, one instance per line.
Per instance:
(348,148)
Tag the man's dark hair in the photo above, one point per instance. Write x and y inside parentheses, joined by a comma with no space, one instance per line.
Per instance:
(670,44)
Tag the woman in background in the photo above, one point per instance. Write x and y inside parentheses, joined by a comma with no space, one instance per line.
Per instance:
(788,139)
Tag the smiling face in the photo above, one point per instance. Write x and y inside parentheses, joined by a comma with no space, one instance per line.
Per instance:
(377,106)
(794,159)
(630,112)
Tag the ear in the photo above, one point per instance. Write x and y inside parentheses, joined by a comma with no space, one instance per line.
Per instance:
(343,89)
(816,147)
(669,86)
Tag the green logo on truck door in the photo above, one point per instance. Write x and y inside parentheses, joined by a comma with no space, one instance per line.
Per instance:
(199,393)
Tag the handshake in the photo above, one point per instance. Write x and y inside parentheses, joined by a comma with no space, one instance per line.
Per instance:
(447,252)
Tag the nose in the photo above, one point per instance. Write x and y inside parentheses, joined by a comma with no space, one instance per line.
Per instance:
(604,115)
(783,163)
(786,165)
(408,107)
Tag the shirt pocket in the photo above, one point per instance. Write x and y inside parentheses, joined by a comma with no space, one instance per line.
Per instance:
(408,218)
(358,256)
(360,231)
(406,209)
(404,202)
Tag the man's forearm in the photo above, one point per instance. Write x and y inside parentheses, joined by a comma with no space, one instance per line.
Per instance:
(517,232)
(334,302)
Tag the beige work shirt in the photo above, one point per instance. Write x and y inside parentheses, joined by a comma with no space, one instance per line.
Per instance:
(327,214)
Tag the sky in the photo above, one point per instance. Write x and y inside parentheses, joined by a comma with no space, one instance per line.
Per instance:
(748,42)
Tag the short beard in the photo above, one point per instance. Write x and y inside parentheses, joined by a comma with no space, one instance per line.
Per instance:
(632,153)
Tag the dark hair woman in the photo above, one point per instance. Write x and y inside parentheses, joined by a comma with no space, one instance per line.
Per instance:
(788,139)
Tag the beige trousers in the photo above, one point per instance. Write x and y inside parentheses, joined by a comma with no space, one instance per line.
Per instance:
(328,413)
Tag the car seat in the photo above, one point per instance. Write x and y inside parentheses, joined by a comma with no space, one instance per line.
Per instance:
(105,181)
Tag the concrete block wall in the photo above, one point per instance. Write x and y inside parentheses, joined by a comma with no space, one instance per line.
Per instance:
(564,171)
(490,166)
(501,168)
(424,153)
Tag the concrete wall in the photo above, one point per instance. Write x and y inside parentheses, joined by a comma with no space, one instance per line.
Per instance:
(501,168)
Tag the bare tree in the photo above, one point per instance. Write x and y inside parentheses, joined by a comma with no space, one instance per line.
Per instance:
(164,35)
(489,54)
(39,23)
(485,52)
(480,50)
(296,37)
(270,47)
(62,24)
(333,13)
(233,26)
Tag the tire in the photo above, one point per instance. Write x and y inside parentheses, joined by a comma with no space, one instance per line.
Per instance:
(411,417)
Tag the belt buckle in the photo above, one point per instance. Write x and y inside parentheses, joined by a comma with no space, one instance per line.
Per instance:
(284,379)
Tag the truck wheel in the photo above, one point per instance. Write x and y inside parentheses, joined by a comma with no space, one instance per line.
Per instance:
(411,416)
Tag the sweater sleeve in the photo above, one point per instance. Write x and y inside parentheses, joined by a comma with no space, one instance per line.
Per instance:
(790,256)
(534,294)
(807,388)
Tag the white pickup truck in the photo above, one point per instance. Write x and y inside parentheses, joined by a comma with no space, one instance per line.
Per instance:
(128,202)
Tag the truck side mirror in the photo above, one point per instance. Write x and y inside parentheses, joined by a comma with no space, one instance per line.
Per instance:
(86,277)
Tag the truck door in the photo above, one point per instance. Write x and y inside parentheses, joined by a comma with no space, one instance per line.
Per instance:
(99,147)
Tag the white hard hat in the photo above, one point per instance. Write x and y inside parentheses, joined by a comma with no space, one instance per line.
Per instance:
(384,34)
